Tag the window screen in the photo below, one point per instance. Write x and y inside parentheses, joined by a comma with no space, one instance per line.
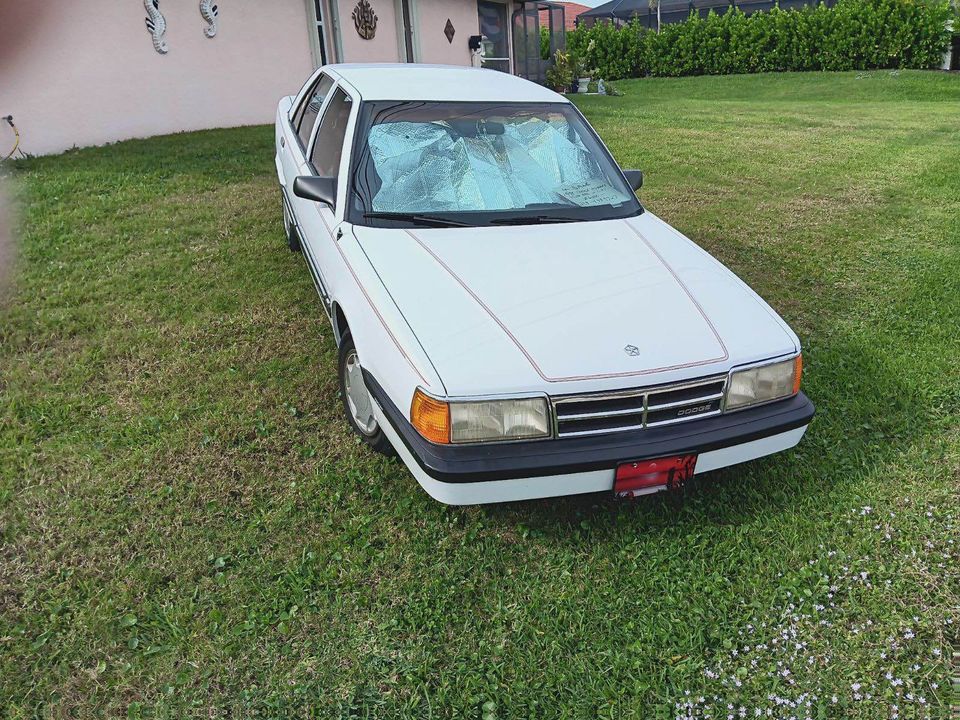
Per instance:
(328,147)
(309,109)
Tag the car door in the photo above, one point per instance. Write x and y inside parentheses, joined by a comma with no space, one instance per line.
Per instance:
(318,221)
(294,142)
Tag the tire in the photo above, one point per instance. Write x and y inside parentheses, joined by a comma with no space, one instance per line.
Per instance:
(289,229)
(356,400)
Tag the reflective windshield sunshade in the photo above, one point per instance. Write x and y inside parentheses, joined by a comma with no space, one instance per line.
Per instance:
(484,159)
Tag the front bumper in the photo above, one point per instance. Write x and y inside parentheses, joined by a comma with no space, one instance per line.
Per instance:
(470,474)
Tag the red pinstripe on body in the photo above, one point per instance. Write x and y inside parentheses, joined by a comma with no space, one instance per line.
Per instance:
(369,301)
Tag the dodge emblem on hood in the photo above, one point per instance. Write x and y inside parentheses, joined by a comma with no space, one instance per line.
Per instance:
(632,350)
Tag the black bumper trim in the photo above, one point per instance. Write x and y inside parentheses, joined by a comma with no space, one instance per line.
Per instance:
(502,461)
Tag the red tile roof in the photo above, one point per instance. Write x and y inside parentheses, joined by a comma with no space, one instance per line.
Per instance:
(570,12)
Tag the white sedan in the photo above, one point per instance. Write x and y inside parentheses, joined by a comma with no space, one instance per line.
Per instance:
(511,321)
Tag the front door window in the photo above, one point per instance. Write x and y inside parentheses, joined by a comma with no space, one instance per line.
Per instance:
(494,29)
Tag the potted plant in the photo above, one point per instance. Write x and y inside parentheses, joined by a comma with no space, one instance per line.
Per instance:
(560,74)
(581,73)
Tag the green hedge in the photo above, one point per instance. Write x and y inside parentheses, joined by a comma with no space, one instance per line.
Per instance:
(852,35)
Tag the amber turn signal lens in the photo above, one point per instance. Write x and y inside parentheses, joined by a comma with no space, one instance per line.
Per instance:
(430,417)
(797,372)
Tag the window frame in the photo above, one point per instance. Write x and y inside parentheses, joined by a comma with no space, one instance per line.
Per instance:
(348,139)
(297,117)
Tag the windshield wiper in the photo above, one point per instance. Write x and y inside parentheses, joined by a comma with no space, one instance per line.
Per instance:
(416,218)
(531,220)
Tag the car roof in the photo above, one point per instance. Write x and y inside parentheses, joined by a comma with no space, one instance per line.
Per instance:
(414,81)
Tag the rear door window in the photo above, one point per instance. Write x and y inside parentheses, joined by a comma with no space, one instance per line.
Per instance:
(306,115)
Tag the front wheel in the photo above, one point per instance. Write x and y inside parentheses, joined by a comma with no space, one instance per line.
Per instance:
(357,403)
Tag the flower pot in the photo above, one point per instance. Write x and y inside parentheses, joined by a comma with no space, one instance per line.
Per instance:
(583,84)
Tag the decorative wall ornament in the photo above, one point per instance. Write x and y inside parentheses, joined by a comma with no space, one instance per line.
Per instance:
(449,31)
(209,12)
(365,20)
(156,25)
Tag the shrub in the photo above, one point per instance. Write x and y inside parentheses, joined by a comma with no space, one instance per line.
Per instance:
(615,53)
(851,35)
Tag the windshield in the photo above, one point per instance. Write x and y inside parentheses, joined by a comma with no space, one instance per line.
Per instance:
(446,163)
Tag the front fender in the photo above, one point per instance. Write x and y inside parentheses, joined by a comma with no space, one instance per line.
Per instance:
(385,342)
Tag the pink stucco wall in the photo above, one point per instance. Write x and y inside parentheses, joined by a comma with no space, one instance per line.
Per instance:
(85,73)
(432,16)
(383,47)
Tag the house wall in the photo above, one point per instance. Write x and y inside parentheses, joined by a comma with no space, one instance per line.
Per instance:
(86,73)
(431,18)
(384,47)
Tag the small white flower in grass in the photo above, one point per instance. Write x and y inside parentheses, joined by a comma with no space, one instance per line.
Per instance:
(936,652)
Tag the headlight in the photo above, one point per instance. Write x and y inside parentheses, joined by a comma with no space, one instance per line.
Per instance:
(479,421)
(764,383)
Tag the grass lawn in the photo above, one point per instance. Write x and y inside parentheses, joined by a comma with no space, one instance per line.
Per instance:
(187,524)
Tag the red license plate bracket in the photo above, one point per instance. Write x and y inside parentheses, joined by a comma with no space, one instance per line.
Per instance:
(641,477)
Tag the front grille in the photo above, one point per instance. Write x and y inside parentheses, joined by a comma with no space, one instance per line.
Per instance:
(637,409)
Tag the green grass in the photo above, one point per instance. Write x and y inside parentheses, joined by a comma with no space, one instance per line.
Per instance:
(188,525)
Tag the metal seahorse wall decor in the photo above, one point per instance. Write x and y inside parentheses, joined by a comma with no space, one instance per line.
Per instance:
(156,25)
(209,12)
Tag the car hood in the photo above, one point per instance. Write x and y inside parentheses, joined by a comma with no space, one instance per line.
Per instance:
(571,307)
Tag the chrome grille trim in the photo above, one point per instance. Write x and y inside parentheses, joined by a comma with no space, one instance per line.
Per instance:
(612,413)
(684,419)
(636,409)
(582,433)
(681,403)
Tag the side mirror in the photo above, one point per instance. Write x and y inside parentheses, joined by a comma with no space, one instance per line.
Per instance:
(316,188)
(635,178)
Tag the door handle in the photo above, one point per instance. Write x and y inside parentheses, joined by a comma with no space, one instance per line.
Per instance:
(283,141)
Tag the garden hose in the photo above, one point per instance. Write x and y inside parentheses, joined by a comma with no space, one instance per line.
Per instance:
(16,137)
